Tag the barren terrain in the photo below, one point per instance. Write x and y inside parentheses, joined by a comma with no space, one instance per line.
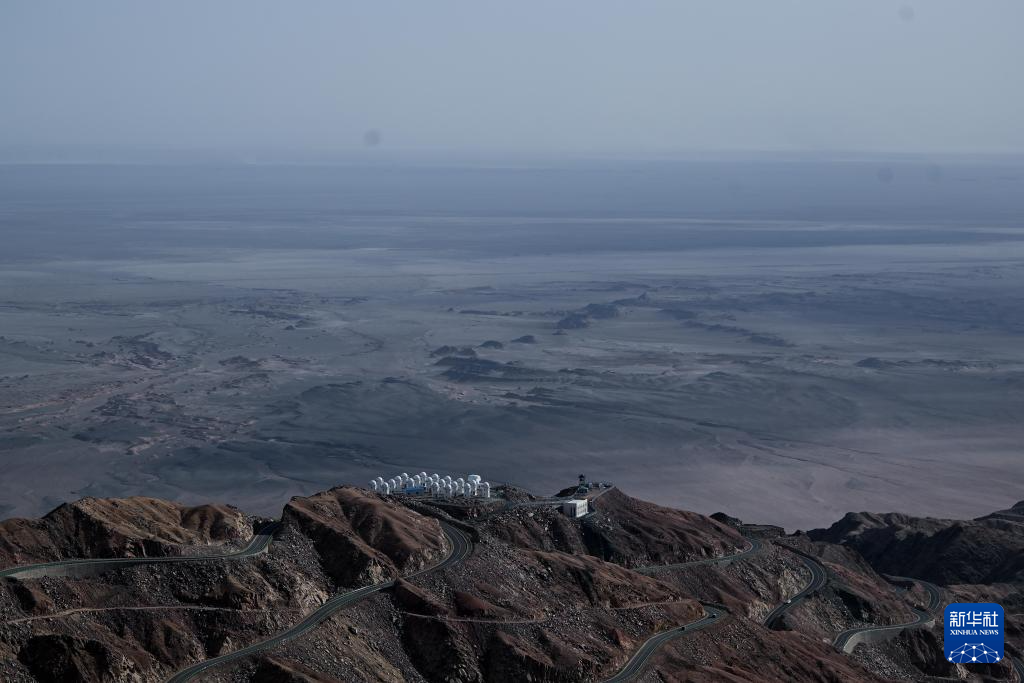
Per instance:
(186,338)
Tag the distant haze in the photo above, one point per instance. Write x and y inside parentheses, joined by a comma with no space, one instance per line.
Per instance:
(548,78)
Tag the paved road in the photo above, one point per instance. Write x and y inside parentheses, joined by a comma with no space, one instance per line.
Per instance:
(934,592)
(461,548)
(818,579)
(921,617)
(755,546)
(635,666)
(711,614)
(259,544)
(842,641)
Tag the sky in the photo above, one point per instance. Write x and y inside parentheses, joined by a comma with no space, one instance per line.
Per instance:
(576,77)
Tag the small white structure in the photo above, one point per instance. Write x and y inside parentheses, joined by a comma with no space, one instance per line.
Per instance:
(373,484)
(575,508)
(486,489)
(387,488)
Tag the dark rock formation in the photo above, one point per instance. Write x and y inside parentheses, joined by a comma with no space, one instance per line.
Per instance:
(465,351)
(988,550)
(573,321)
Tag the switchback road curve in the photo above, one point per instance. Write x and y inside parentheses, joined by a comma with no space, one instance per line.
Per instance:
(82,567)
(462,546)
(933,591)
(635,666)
(712,614)
(850,638)
(818,579)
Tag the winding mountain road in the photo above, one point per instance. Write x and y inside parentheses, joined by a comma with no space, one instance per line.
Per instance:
(461,547)
(259,543)
(846,642)
(461,544)
(850,638)
(754,546)
(933,591)
(818,579)
(635,666)
(712,614)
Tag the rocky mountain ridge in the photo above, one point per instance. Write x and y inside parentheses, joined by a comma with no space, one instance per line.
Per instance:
(539,596)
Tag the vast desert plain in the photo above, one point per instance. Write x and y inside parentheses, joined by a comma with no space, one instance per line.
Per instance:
(712,336)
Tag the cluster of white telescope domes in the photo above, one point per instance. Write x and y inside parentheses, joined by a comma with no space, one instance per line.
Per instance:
(470,487)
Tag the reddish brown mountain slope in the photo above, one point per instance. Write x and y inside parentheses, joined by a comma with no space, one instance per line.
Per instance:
(118,527)
(362,537)
(541,597)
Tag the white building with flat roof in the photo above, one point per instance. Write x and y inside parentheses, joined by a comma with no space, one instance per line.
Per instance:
(575,508)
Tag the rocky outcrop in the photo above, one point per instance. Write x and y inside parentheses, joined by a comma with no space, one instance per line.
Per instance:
(541,597)
(272,670)
(434,645)
(602,583)
(118,527)
(57,658)
(364,538)
(473,606)
(412,600)
(511,659)
(636,533)
(987,550)
(623,530)
(742,653)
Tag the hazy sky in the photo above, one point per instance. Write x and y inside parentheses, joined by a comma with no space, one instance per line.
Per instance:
(573,77)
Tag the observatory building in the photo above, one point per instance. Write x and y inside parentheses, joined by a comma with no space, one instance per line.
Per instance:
(575,508)
(434,485)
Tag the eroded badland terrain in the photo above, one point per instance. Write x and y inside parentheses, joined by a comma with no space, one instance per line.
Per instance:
(351,585)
